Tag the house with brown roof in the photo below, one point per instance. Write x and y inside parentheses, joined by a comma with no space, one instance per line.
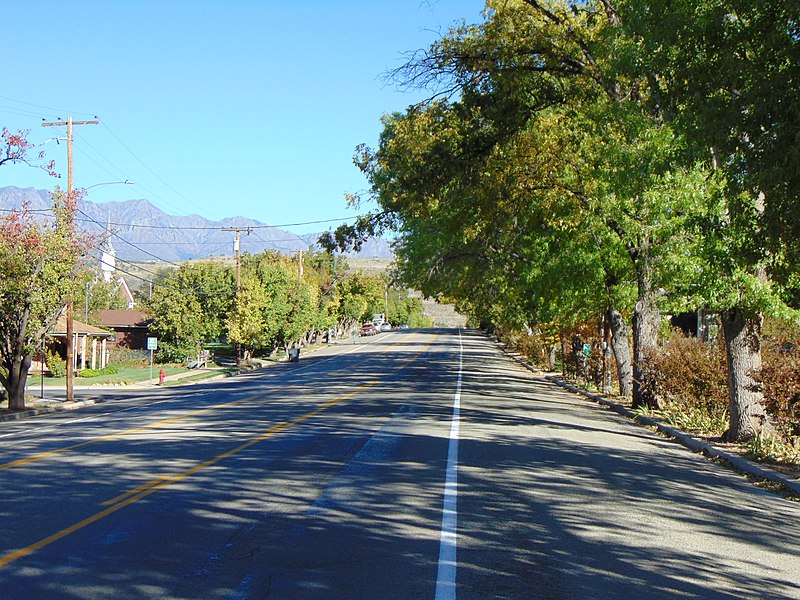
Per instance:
(90,343)
(129,327)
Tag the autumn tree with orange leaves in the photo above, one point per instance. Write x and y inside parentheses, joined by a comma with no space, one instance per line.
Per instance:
(39,259)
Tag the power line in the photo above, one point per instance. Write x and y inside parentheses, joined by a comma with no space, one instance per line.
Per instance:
(49,108)
(164,285)
(258,239)
(116,175)
(222,228)
(126,241)
(156,175)
(147,191)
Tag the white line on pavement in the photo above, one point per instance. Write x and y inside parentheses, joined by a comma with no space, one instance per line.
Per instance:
(446,574)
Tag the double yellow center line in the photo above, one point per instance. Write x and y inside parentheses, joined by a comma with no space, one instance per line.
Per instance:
(154,485)
(164,481)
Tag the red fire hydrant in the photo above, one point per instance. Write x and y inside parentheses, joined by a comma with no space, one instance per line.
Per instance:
(161,376)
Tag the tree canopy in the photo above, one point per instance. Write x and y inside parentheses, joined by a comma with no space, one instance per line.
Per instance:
(559,171)
(39,264)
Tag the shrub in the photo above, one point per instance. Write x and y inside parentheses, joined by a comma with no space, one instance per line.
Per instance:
(56,364)
(539,346)
(780,376)
(129,358)
(109,370)
(89,373)
(691,383)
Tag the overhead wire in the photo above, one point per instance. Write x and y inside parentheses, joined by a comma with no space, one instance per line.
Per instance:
(126,241)
(156,175)
(224,228)
(49,108)
(120,174)
(85,142)
(88,219)
(127,262)
(148,192)
(19,112)
(164,285)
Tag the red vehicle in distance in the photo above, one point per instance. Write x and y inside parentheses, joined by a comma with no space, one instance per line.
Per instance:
(368,329)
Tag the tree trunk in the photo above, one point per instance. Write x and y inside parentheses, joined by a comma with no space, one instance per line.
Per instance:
(646,318)
(17,381)
(622,351)
(743,352)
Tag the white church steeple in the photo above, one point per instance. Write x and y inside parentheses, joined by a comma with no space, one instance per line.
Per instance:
(108,260)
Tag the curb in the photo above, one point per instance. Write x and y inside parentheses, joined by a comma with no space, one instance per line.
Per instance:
(740,464)
(66,406)
(15,416)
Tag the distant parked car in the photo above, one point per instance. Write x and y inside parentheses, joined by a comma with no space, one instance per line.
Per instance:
(386,327)
(404,326)
(368,329)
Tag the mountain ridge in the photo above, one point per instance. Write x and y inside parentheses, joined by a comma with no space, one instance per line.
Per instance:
(142,232)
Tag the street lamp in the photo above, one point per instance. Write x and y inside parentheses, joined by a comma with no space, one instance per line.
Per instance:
(86,192)
(70,327)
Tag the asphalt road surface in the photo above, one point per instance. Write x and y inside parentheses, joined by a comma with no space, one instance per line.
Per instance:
(415,464)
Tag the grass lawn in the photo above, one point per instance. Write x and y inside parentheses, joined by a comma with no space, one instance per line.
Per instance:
(198,377)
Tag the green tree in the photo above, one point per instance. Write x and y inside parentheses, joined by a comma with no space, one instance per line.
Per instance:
(359,295)
(289,306)
(101,296)
(727,74)
(544,142)
(38,267)
(190,308)
(245,323)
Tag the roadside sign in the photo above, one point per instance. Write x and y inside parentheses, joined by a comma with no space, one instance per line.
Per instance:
(152,343)
(587,349)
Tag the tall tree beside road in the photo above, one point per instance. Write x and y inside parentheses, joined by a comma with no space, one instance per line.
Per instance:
(245,323)
(288,305)
(543,142)
(189,308)
(727,73)
(38,268)
(359,294)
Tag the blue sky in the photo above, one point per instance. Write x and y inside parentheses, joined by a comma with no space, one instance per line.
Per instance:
(213,107)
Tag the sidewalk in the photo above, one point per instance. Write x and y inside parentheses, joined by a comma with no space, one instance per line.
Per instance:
(55,398)
(739,463)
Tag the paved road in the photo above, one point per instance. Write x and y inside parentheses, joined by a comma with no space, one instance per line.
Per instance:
(336,478)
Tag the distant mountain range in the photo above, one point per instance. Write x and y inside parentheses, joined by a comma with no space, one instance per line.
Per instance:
(142,232)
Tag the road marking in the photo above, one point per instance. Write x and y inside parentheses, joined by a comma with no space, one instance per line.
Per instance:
(42,455)
(164,481)
(138,407)
(448,562)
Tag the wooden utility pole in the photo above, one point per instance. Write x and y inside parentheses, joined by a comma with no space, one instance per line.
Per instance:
(70,309)
(300,269)
(237,237)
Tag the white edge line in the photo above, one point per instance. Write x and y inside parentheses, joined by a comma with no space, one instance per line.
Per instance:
(448,562)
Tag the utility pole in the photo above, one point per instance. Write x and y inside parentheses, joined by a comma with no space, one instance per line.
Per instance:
(237,237)
(71,214)
(300,270)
